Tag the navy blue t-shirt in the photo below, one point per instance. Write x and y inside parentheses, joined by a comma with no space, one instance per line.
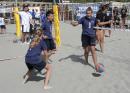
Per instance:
(43,18)
(88,25)
(33,55)
(47,28)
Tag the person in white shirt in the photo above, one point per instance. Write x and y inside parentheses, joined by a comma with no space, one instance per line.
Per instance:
(37,16)
(26,19)
(2,25)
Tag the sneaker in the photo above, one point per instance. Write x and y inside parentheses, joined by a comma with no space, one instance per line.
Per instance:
(40,74)
(26,43)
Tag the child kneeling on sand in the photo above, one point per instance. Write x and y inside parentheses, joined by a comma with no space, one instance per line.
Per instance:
(34,60)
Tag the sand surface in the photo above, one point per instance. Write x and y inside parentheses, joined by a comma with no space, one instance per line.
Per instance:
(69,75)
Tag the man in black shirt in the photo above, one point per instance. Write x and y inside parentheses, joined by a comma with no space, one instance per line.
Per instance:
(116,17)
(108,18)
(123,15)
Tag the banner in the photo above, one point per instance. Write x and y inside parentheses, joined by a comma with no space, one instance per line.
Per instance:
(81,10)
(5,10)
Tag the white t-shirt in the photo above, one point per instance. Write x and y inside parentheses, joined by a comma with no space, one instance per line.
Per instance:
(25,18)
(2,22)
(37,15)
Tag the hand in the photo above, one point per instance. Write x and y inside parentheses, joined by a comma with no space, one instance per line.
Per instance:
(15,12)
(111,21)
(74,23)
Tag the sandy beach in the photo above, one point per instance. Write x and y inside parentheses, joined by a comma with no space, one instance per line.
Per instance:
(69,75)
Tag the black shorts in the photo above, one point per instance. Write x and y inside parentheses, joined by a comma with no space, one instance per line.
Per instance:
(123,16)
(39,66)
(88,40)
(3,27)
(50,44)
(108,26)
(31,29)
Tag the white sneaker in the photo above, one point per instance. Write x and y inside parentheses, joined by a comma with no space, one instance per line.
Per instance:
(21,43)
(40,74)
(28,43)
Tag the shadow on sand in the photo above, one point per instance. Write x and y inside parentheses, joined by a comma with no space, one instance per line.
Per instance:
(78,58)
(36,76)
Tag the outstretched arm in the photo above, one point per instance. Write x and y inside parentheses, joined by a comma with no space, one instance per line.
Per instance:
(103,23)
(16,12)
(74,23)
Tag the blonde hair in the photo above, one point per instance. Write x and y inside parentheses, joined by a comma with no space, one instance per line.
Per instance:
(35,41)
(39,32)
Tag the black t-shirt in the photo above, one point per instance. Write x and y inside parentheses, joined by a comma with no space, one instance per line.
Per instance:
(123,12)
(101,16)
(104,17)
(115,12)
(108,15)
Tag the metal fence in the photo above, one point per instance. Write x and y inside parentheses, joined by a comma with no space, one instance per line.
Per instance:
(74,11)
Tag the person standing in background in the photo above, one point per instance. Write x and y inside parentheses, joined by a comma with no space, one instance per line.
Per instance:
(37,16)
(2,25)
(26,20)
(108,18)
(33,13)
(123,16)
(42,16)
(116,17)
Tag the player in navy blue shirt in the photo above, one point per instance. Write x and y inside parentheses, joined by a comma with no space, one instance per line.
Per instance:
(89,34)
(42,16)
(34,59)
(47,31)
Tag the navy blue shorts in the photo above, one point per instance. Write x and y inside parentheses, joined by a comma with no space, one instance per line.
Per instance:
(50,44)
(3,27)
(88,40)
(39,66)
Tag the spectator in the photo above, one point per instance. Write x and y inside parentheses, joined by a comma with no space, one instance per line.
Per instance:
(2,25)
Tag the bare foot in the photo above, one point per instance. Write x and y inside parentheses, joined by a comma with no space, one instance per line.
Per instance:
(47,87)
(96,67)
(25,78)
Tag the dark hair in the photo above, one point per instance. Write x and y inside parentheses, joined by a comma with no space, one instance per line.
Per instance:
(89,9)
(49,12)
(24,6)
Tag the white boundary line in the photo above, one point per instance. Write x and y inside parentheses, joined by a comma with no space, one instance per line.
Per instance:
(5,59)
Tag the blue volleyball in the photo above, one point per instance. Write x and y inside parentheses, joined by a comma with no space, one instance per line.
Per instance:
(101,68)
